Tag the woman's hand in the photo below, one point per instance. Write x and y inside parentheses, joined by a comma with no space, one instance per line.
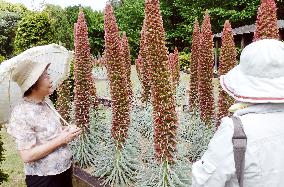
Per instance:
(68,134)
(40,151)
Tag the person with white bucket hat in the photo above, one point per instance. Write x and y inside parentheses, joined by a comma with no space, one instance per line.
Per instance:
(247,149)
(26,81)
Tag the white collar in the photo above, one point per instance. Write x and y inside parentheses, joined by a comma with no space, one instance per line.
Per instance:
(261,109)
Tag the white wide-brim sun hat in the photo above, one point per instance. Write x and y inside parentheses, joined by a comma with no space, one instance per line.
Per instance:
(259,77)
(19,73)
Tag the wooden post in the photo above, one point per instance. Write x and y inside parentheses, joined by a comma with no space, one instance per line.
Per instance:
(216,55)
(243,42)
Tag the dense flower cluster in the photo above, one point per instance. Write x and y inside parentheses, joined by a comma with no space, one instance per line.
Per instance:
(266,23)
(84,89)
(164,113)
(144,67)
(139,67)
(116,74)
(63,102)
(174,68)
(127,64)
(194,61)
(228,60)
(205,72)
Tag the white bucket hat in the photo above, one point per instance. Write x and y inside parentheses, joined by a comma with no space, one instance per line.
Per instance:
(19,73)
(259,78)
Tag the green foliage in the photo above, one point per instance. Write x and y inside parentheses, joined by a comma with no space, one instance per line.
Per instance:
(130,17)
(2,58)
(184,60)
(7,31)
(179,16)
(59,25)
(34,29)
(84,147)
(95,25)
(172,19)
(195,133)
(10,15)
(239,12)
(141,119)
(165,174)
(10,7)
(3,176)
(119,167)
(181,92)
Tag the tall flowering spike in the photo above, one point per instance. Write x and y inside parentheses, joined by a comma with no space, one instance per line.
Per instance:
(139,68)
(164,113)
(116,72)
(170,61)
(205,72)
(127,64)
(63,102)
(266,23)
(102,60)
(145,70)
(193,85)
(228,60)
(84,90)
(174,68)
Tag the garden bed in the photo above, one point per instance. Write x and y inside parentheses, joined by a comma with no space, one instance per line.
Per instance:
(82,178)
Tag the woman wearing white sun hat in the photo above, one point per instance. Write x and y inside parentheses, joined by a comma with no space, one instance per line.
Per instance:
(254,159)
(41,140)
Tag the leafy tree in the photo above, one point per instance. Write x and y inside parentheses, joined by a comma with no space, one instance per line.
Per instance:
(8,25)
(95,25)
(239,12)
(59,25)
(179,16)
(10,15)
(130,15)
(2,58)
(11,7)
(34,29)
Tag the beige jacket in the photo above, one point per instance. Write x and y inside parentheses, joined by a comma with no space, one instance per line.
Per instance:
(264,162)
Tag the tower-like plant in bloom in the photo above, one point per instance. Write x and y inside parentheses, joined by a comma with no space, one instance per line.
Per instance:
(228,61)
(164,113)
(116,74)
(63,102)
(114,161)
(174,68)
(144,68)
(84,89)
(266,23)
(127,64)
(205,72)
(194,61)
(139,67)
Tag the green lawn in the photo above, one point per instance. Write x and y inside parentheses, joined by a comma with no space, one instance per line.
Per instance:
(13,165)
